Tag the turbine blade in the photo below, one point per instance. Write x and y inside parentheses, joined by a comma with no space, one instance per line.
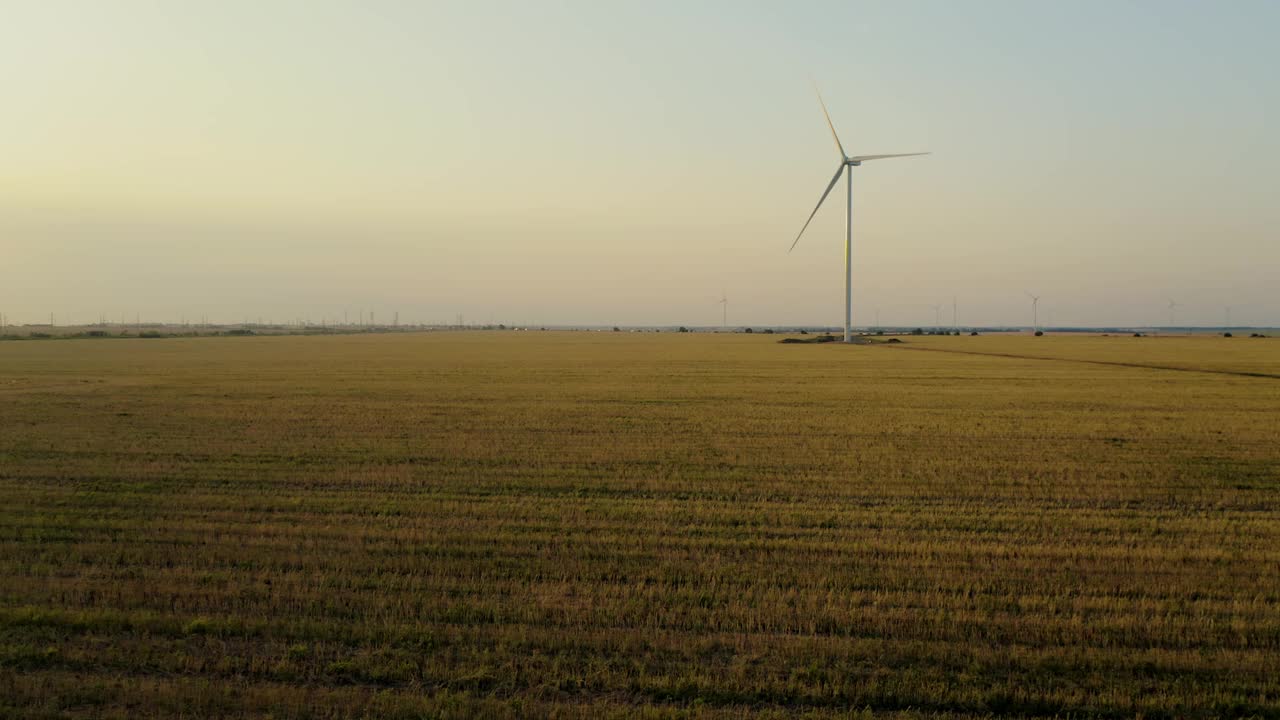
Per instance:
(834,179)
(860,158)
(831,125)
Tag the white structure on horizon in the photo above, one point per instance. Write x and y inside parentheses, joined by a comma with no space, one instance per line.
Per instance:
(847,163)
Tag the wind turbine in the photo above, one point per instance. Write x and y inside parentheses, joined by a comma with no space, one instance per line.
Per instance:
(937,317)
(724,310)
(1226,309)
(846,163)
(1035,310)
(1172,306)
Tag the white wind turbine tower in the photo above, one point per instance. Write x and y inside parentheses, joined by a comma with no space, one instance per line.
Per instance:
(1172,306)
(846,163)
(724,310)
(1226,309)
(1035,311)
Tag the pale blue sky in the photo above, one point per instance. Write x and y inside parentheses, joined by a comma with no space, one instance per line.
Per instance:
(594,162)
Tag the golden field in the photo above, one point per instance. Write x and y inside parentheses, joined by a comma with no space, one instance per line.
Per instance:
(660,525)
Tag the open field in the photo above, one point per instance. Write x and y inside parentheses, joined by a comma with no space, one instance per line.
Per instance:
(599,524)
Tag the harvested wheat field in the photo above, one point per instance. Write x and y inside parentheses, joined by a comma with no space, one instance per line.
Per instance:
(657,525)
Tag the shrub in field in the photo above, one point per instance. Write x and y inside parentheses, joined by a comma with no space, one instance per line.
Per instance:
(1039,333)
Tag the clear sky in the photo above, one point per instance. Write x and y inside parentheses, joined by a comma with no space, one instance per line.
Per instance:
(600,163)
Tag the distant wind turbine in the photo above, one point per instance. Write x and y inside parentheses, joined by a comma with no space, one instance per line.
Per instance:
(1226,309)
(846,163)
(724,310)
(1172,306)
(1035,311)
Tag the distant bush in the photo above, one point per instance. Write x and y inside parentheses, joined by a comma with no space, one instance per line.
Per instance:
(768,331)
(683,329)
(1226,334)
(240,331)
(1137,334)
(975,332)
(1039,333)
(809,340)
(97,333)
(748,331)
(40,335)
(617,329)
(153,334)
(918,331)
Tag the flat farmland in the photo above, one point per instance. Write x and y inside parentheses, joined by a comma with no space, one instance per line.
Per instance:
(624,524)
